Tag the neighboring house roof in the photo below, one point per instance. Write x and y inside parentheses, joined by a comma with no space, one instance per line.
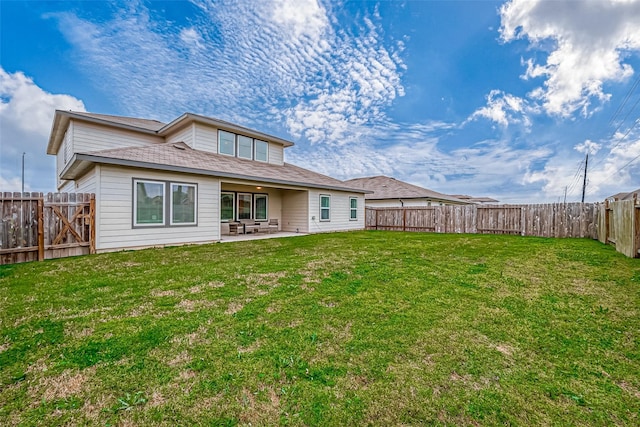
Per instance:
(179,157)
(152,127)
(625,196)
(474,199)
(384,187)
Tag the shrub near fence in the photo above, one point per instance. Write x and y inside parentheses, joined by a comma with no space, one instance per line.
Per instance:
(544,220)
(36,227)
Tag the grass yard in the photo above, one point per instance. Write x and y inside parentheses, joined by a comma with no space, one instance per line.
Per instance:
(364,328)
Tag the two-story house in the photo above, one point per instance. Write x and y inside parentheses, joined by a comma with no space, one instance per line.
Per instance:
(180,182)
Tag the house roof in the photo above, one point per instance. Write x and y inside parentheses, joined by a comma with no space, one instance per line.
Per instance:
(384,187)
(150,127)
(474,199)
(179,157)
(625,196)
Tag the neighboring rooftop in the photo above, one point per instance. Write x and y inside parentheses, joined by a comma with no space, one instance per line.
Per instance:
(625,196)
(179,157)
(384,187)
(474,199)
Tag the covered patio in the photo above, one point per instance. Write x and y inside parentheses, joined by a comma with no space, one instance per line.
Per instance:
(225,238)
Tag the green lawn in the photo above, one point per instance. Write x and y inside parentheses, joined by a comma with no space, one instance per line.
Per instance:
(364,328)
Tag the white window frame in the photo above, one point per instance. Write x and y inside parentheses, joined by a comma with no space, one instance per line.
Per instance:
(238,205)
(220,132)
(266,211)
(251,149)
(233,206)
(195,204)
(328,209)
(135,203)
(255,150)
(352,209)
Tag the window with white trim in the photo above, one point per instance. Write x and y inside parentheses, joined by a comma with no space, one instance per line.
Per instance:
(353,208)
(325,207)
(245,147)
(227,207)
(226,143)
(261,150)
(260,206)
(244,205)
(183,204)
(148,200)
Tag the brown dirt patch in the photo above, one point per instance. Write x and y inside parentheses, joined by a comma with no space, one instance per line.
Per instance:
(233,308)
(181,359)
(68,383)
(164,293)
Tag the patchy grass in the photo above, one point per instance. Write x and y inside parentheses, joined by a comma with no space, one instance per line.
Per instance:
(337,329)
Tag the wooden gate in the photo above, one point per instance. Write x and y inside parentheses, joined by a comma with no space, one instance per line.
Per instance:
(619,225)
(37,227)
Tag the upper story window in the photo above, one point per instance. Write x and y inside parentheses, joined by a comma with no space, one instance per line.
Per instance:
(262,151)
(245,147)
(226,143)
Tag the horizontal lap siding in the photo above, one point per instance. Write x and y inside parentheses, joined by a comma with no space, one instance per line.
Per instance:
(276,154)
(295,211)
(183,135)
(340,211)
(115,206)
(206,138)
(89,137)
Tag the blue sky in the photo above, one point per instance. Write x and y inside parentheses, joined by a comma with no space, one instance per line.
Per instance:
(487,98)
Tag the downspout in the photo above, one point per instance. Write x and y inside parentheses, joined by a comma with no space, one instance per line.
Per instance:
(401,203)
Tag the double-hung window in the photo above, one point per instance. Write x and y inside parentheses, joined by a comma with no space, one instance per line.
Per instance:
(227,207)
(183,204)
(260,207)
(325,207)
(261,150)
(353,208)
(226,143)
(152,199)
(245,147)
(148,198)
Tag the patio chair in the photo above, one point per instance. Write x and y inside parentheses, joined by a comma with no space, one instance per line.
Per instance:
(235,228)
(273,225)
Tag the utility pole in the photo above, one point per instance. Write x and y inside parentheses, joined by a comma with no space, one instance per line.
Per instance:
(584,183)
(23,153)
(565,194)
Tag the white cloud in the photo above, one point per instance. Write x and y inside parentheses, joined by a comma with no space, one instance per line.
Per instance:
(609,171)
(505,109)
(289,58)
(588,42)
(26,114)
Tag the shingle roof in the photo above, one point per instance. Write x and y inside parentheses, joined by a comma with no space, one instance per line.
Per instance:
(625,196)
(153,125)
(182,158)
(474,199)
(385,187)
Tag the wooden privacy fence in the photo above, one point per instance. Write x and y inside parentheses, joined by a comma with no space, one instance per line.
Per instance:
(545,220)
(619,225)
(37,227)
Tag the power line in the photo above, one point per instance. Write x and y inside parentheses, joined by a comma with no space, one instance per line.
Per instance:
(624,101)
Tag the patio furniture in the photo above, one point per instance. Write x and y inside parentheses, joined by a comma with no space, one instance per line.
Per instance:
(273,225)
(235,228)
(250,226)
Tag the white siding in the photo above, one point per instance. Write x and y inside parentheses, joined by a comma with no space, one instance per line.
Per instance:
(276,153)
(183,135)
(89,137)
(206,138)
(115,206)
(64,154)
(295,211)
(87,183)
(340,210)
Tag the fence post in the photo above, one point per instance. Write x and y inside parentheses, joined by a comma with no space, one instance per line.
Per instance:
(92,224)
(40,229)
